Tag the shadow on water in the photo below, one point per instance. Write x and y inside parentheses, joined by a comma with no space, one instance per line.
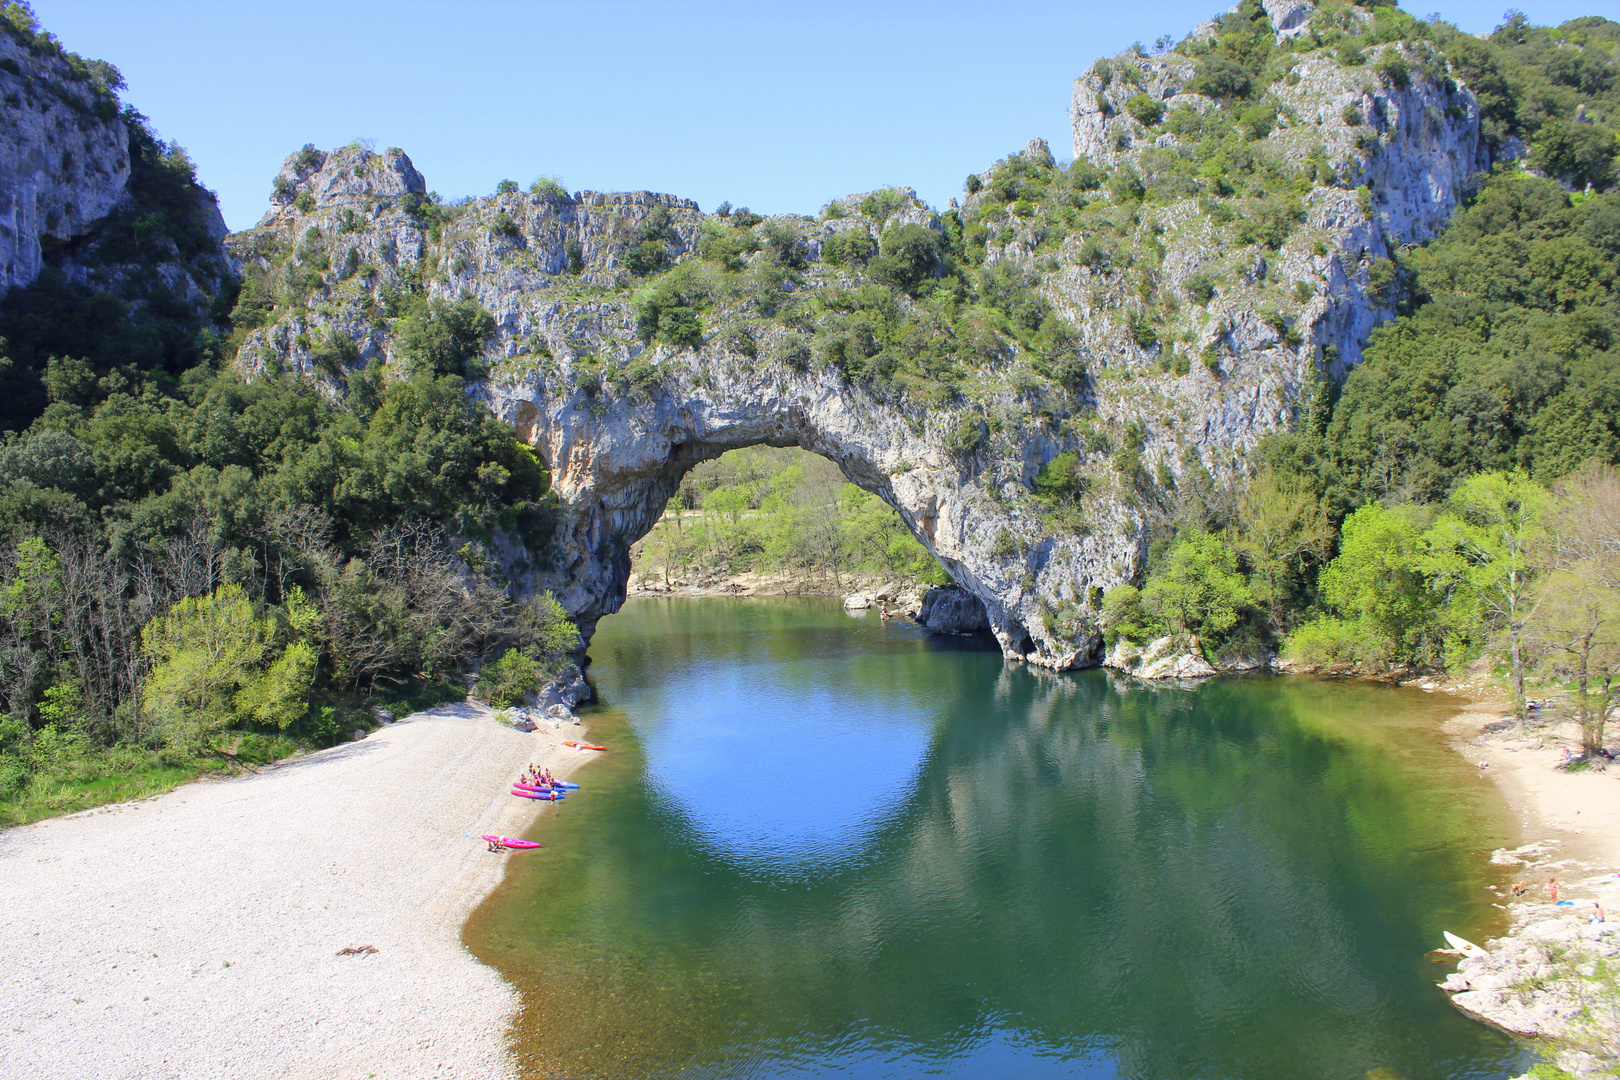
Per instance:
(824,846)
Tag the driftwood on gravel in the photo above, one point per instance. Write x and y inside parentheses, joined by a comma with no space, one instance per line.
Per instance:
(357,950)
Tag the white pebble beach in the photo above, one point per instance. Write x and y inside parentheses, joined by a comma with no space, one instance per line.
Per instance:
(196,934)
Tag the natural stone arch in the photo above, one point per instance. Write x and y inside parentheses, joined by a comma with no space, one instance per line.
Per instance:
(616,460)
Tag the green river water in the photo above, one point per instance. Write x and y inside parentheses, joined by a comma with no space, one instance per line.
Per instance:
(822,846)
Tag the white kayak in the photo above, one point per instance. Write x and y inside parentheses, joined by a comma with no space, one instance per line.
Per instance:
(1463,945)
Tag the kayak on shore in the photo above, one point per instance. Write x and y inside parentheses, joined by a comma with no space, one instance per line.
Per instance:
(512,842)
(544,788)
(584,746)
(548,796)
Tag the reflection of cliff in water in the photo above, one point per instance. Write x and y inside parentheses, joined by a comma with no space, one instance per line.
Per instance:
(1237,879)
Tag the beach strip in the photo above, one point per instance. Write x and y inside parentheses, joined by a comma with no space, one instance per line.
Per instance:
(198,934)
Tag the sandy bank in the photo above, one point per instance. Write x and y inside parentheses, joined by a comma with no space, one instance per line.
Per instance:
(1531,982)
(196,934)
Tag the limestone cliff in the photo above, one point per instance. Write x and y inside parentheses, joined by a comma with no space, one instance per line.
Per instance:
(64,158)
(68,168)
(1203,317)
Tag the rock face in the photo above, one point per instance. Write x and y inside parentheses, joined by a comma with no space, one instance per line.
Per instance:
(620,418)
(1159,659)
(953,611)
(68,169)
(64,158)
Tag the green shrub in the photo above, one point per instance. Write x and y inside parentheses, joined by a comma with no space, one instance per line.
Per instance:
(1580,154)
(1394,71)
(506,187)
(1381,275)
(666,315)
(305,202)
(1219,77)
(509,679)
(1146,108)
(1324,642)
(966,437)
(849,247)
(443,337)
(911,256)
(1125,618)
(1142,329)
(548,187)
(1059,478)
(505,225)
(1201,287)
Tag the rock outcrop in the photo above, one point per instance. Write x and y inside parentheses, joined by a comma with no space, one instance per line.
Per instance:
(1198,336)
(64,157)
(953,611)
(1162,658)
(68,168)
(1553,976)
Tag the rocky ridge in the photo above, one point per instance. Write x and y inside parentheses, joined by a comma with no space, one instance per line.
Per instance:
(619,416)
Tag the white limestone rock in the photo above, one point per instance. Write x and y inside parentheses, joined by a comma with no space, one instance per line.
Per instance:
(64,159)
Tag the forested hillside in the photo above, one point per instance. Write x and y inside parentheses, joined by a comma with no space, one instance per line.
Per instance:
(1430,509)
(239,508)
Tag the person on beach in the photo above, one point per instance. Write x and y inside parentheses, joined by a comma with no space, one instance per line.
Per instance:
(1597,913)
(1552,887)
(496,845)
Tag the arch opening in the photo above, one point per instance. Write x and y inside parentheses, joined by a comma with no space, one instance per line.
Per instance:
(618,458)
(781,520)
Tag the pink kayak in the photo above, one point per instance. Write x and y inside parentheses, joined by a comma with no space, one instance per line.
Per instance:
(526,786)
(512,842)
(549,796)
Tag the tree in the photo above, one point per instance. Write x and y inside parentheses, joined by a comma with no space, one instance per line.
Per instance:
(1481,554)
(1281,525)
(1377,583)
(542,629)
(911,255)
(1199,591)
(218,661)
(445,338)
(1583,154)
(1578,619)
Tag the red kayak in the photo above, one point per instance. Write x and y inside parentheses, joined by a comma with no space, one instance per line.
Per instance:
(512,842)
(548,796)
(585,746)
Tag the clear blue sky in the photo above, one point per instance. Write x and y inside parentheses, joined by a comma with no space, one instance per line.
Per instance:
(776,105)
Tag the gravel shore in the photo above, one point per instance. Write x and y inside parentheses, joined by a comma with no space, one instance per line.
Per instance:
(196,934)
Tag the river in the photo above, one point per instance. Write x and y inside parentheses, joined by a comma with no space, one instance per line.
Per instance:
(825,846)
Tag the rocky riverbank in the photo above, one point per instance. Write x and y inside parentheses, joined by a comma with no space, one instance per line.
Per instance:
(1555,976)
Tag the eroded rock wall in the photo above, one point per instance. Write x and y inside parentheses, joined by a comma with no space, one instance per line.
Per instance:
(64,159)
